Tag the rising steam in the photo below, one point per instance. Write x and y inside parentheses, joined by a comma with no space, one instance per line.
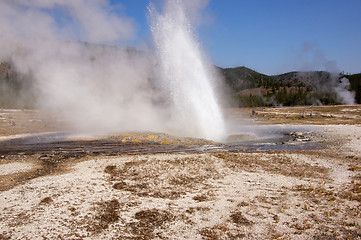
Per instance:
(184,73)
(311,58)
(342,89)
(108,88)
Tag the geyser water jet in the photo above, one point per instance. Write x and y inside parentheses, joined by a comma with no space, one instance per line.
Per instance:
(101,89)
(185,75)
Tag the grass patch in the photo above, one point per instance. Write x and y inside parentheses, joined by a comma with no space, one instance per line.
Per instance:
(110,169)
(210,234)
(107,212)
(318,193)
(148,221)
(20,219)
(352,192)
(353,167)
(200,198)
(192,210)
(163,178)
(220,231)
(273,163)
(46,200)
(239,219)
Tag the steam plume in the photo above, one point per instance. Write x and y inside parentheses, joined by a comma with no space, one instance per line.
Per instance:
(311,58)
(184,73)
(99,87)
(342,89)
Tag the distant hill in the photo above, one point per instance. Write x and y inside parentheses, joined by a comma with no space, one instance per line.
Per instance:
(250,88)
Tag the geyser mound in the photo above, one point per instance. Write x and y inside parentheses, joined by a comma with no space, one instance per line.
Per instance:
(185,75)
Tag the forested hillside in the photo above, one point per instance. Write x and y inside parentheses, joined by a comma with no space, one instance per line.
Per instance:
(251,89)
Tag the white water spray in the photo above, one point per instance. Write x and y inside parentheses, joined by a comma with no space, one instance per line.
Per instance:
(185,74)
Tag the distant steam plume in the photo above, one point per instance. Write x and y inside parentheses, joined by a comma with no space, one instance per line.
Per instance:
(343,92)
(311,58)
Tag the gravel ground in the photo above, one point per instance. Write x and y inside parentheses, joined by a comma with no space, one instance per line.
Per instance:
(303,194)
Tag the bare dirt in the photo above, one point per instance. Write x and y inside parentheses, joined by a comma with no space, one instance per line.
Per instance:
(156,186)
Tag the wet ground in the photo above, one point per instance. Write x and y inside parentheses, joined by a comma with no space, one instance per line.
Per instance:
(45,135)
(52,152)
(140,143)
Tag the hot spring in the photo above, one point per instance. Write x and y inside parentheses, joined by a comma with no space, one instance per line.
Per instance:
(101,90)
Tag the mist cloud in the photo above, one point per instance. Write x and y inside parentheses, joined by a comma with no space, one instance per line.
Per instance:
(343,92)
(97,87)
(311,58)
(83,20)
(66,47)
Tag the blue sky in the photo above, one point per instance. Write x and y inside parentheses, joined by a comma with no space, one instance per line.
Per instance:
(274,36)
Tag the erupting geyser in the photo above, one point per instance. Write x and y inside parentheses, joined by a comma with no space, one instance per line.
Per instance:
(100,88)
(185,75)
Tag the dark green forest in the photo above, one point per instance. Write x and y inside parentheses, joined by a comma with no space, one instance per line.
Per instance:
(355,83)
(252,89)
